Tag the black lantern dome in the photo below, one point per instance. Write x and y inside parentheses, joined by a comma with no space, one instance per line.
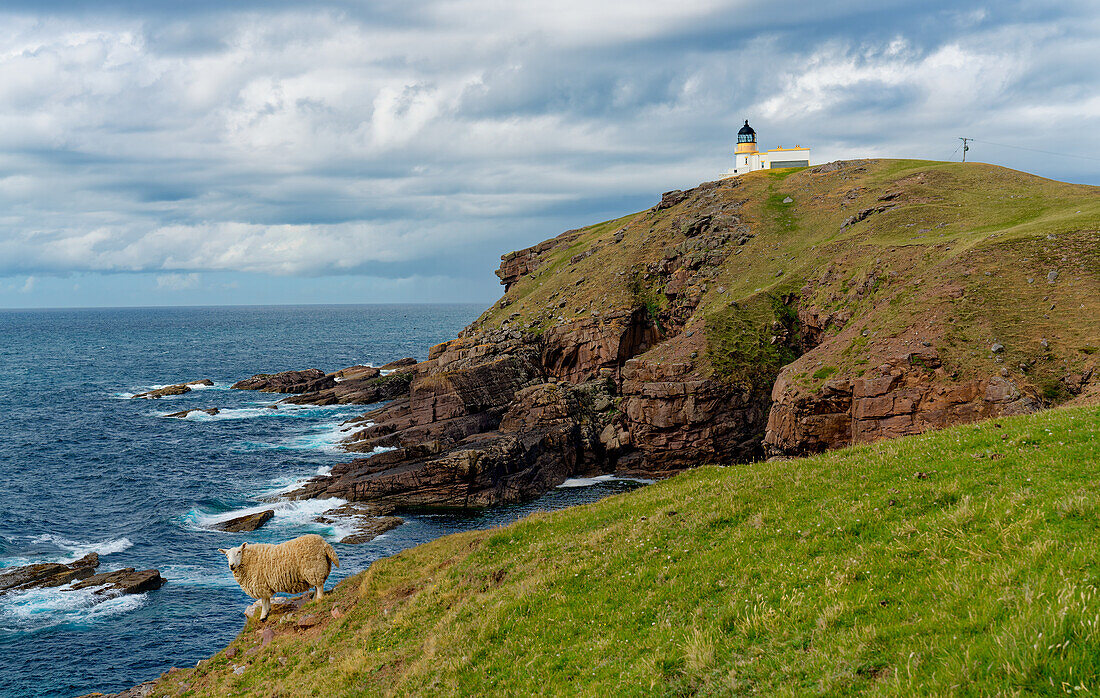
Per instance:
(746,134)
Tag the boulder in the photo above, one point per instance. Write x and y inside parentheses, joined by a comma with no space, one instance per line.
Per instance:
(177,389)
(907,397)
(164,392)
(127,581)
(249,522)
(357,373)
(288,381)
(480,437)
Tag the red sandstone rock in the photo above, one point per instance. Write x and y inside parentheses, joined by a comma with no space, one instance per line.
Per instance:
(909,399)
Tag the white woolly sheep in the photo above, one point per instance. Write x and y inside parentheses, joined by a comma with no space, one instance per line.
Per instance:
(262,569)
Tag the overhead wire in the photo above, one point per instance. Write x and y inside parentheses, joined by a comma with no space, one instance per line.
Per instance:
(1036,150)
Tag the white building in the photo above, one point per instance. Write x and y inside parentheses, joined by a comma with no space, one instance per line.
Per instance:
(746,158)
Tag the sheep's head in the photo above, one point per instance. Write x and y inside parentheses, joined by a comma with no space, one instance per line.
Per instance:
(233,555)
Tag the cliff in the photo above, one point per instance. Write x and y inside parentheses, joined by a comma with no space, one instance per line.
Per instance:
(776,314)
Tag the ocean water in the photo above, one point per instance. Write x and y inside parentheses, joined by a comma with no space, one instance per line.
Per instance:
(86,469)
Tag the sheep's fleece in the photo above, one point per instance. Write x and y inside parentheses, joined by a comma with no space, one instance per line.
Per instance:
(262,569)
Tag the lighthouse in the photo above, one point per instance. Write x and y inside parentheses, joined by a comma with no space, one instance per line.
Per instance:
(747,158)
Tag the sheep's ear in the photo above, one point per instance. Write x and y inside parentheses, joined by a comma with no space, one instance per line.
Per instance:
(242,546)
(223,551)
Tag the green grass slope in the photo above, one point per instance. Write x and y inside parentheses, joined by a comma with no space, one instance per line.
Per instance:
(964,561)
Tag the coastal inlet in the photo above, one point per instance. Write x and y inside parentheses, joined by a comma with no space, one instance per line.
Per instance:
(90,470)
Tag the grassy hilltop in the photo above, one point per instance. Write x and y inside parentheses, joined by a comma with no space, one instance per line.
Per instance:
(959,561)
(961,252)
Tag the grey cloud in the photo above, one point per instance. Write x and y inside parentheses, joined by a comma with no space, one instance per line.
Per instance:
(364,138)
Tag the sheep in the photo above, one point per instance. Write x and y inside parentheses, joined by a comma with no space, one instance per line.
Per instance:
(262,569)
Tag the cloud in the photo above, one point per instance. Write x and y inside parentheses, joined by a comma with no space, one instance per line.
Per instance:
(28,285)
(178,282)
(343,138)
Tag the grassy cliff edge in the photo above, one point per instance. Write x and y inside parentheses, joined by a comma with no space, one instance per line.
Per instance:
(957,561)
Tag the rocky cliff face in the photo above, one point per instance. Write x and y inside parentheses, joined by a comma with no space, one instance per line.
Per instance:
(775,314)
(908,394)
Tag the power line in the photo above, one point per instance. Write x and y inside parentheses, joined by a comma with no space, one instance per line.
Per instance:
(1034,150)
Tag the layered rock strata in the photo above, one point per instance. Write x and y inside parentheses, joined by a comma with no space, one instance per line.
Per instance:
(907,394)
(287,381)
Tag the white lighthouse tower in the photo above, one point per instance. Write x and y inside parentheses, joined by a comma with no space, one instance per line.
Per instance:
(746,158)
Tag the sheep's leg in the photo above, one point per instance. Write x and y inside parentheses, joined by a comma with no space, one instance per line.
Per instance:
(320,592)
(265,608)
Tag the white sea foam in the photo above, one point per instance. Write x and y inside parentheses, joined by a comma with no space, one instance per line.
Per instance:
(144,389)
(198,576)
(226,413)
(74,550)
(291,517)
(37,609)
(589,481)
(326,437)
(262,410)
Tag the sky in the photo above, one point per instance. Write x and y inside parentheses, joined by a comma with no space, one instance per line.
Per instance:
(248,152)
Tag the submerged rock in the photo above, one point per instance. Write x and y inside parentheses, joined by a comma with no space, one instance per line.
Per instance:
(183,413)
(370,521)
(370,529)
(244,524)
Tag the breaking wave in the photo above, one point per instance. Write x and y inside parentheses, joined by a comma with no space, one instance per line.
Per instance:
(589,481)
(39,609)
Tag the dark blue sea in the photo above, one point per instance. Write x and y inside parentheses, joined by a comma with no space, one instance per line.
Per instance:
(87,469)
